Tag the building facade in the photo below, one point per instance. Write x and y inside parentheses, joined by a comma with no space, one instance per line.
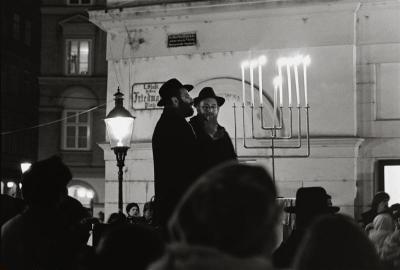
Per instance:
(353,83)
(73,95)
(20,66)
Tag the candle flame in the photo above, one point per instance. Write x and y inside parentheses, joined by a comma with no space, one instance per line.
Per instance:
(282,61)
(297,60)
(253,63)
(306,60)
(245,64)
(262,60)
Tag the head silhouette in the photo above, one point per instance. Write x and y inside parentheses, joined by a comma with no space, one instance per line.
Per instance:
(336,242)
(208,213)
(45,182)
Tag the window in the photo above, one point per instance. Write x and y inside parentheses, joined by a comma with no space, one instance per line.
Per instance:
(28,34)
(79,2)
(78,56)
(389,179)
(16,27)
(76,130)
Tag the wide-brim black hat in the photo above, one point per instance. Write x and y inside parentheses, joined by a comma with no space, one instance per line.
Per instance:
(208,92)
(312,199)
(170,88)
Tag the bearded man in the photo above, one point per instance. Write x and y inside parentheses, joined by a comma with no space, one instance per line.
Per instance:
(174,140)
(215,144)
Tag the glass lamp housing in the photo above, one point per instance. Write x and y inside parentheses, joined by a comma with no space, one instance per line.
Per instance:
(119,124)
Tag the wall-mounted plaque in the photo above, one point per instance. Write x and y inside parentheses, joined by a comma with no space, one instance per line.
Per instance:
(182,39)
(144,96)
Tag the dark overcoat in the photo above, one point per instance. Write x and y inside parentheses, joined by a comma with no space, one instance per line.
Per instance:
(212,151)
(175,166)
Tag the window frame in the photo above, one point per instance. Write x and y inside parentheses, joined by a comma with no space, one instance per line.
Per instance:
(90,61)
(65,124)
(79,3)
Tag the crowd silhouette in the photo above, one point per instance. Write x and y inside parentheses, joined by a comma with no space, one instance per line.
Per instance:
(227,219)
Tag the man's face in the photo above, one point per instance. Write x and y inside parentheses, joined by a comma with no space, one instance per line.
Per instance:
(208,108)
(185,103)
(134,212)
(382,206)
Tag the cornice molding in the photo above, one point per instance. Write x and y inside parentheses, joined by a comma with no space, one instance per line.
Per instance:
(72,79)
(118,19)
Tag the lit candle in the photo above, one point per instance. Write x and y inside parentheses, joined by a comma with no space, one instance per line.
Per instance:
(252,64)
(289,79)
(296,62)
(260,89)
(261,61)
(306,62)
(277,82)
(243,86)
(281,62)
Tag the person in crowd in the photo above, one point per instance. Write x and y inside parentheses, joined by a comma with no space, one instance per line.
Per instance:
(128,246)
(311,202)
(336,242)
(48,234)
(215,145)
(379,205)
(394,210)
(148,211)
(206,231)
(386,239)
(133,214)
(10,207)
(101,216)
(174,147)
(117,219)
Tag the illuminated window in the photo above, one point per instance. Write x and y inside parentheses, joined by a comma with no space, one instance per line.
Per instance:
(76,130)
(85,195)
(78,56)
(79,2)
(389,179)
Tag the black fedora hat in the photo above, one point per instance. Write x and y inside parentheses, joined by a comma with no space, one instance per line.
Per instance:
(312,199)
(208,92)
(170,88)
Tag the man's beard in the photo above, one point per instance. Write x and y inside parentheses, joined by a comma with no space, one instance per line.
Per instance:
(185,108)
(210,117)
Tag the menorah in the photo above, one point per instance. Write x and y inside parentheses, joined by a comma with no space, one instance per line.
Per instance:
(280,133)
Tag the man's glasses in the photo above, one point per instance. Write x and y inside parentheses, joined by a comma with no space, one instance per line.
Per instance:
(209,108)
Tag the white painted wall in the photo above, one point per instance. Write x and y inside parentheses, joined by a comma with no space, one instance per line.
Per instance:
(350,44)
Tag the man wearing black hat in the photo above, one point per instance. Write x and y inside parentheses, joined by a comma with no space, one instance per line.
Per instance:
(215,145)
(311,202)
(174,148)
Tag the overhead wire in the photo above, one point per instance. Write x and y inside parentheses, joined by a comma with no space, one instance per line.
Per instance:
(52,122)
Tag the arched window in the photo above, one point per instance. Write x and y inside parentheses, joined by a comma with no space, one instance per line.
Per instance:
(83,192)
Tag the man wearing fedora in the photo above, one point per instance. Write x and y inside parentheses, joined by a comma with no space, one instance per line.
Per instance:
(174,147)
(311,202)
(215,145)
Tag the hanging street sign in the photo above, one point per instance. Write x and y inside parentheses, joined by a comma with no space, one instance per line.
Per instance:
(144,96)
(182,39)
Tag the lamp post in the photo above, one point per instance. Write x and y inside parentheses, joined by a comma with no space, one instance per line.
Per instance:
(119,124)
(24,167)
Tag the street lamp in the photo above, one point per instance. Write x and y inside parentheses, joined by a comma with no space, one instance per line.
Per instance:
(25,166)
(119,124)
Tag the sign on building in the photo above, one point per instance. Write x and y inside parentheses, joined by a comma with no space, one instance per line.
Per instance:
(182,39)
(144,96)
